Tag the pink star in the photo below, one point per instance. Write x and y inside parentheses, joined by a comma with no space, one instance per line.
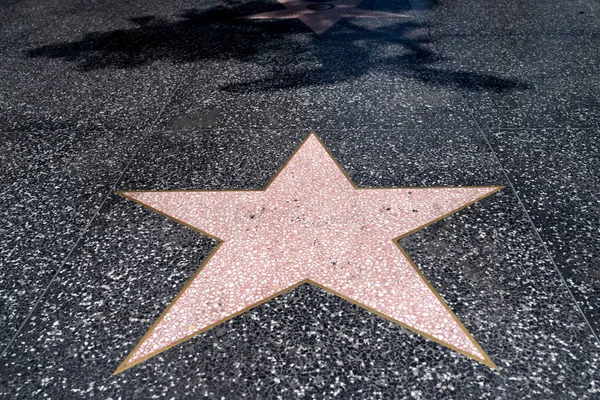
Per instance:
(321,16)
(310,224)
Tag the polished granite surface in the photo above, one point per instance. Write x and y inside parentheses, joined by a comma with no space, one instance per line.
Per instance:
(105,98)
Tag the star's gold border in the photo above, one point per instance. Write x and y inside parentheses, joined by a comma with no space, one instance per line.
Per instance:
(126,364)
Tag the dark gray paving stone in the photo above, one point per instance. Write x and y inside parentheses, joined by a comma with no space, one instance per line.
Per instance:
(103,33)
(555,173)
(210,159)
(60,95)
(20,78)
(238,158)
(51,183)
(539,339)
(79,72)
(363,73)
(534,81)
(485,261)
(28,24)
(349,78)
(508,17)
(278,74)
(398,158)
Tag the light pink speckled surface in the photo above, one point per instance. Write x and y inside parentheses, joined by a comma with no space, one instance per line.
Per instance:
(319,21)
(310,223)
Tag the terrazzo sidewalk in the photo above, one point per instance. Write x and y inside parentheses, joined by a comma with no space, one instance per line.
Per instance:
(300,199)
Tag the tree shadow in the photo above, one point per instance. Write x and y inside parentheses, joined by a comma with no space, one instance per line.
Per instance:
(292,56)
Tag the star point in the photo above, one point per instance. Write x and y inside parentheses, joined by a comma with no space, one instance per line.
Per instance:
(319,17)
(310,224)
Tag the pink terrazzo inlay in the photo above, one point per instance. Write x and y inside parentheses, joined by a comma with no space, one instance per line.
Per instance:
(319,17)
(311,224)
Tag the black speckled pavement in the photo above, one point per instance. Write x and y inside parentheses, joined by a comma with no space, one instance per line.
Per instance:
(170,228)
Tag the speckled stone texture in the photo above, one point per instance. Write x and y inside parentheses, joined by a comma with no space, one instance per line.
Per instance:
(343,80)
(464,92)
(61,74)
(538,81)
(486,262)
(362,73)
(52,185)
(65,98)
(508,17)
(555,172)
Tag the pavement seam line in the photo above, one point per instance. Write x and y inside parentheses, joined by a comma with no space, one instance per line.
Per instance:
(497,160)
(136,149)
